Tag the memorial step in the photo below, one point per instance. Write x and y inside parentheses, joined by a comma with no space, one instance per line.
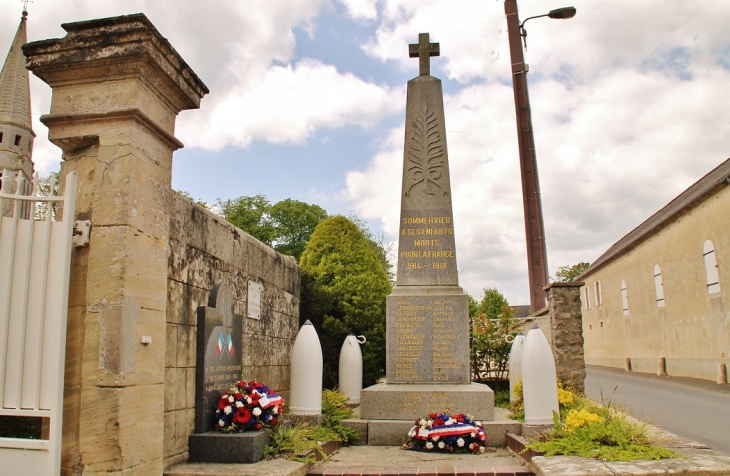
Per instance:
(368,460)
(395,432)
(425,471)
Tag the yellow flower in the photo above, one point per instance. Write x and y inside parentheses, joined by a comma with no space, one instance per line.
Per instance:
(564,396)
(517,389)
(577,419)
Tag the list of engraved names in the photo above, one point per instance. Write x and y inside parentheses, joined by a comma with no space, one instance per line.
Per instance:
(425,336)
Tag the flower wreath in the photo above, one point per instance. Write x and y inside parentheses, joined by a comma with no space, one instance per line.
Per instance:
(447,433)
(248,406)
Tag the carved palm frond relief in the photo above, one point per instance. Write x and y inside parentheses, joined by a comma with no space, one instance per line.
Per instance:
(425,153)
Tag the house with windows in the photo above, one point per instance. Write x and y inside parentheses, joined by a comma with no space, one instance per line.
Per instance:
(658,300)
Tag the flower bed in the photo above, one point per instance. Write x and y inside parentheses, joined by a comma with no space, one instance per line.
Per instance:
(447,433)
(248,407)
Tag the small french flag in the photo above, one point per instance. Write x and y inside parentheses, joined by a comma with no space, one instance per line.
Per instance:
(219,346)
(229,343)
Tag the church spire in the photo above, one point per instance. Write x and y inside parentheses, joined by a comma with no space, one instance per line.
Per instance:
(16,132)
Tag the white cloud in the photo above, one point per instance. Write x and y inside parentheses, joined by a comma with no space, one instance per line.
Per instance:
(361,9)
(285,104)
(466,30)
(628,98)
(628,109)
(243,51)
(610,153)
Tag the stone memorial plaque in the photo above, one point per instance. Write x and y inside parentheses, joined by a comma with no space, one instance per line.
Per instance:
(218,361)
(426,248)
(428,339)
(254,300)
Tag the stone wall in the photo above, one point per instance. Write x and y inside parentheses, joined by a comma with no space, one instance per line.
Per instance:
(206,250)
(566,324)
(153,256)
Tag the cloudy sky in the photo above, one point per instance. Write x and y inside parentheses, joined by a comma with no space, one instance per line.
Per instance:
(307,101)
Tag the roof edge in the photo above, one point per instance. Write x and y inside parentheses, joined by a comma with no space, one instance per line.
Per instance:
(629,242)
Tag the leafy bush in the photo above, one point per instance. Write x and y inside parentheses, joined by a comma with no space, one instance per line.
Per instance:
(492,319)
(517,408)
(335,409)
(291,441)
(501,398)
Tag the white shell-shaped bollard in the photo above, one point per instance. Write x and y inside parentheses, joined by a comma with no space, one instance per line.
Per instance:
(350,381)
(539,381)
(515,364)
(306,373)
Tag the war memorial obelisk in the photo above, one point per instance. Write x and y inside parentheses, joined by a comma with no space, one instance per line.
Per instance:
(427,366)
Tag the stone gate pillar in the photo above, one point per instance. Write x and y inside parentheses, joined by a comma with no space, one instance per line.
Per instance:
(118,86)
(566,322)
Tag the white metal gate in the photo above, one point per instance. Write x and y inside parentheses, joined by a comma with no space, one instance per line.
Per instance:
(35,258)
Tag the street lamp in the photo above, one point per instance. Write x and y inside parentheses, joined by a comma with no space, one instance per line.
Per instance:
(559,13)
(534,225)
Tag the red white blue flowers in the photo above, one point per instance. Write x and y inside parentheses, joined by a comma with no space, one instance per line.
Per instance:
(447,433)
(248,406)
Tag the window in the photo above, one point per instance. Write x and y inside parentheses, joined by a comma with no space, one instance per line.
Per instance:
(625,298)
(713,276)
(588,298)
(17,140)
(659,285)
(599,293)
(1,136)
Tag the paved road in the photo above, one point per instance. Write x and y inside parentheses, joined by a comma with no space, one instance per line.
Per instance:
(686,408)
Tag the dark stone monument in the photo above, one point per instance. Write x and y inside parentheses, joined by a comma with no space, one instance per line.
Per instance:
(218,360)
(427,365)
(218,367)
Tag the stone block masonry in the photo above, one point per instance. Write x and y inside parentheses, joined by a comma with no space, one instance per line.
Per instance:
(566,328)
(206,250)
(153,257)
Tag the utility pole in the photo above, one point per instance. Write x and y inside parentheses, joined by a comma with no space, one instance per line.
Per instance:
(534,225)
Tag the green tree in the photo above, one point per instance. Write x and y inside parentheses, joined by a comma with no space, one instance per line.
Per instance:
(382,244)
(251,214)
(565,274)
(344,287)
(285,226)
(294,222)
(492,320)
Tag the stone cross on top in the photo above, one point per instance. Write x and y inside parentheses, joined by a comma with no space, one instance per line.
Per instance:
(424,50)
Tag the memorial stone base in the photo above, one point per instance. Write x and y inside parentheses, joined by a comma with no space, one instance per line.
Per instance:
(217,447)
(408,402)
(392,409)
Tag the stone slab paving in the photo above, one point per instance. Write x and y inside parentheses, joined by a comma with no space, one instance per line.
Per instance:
(380,460)
(274,467)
